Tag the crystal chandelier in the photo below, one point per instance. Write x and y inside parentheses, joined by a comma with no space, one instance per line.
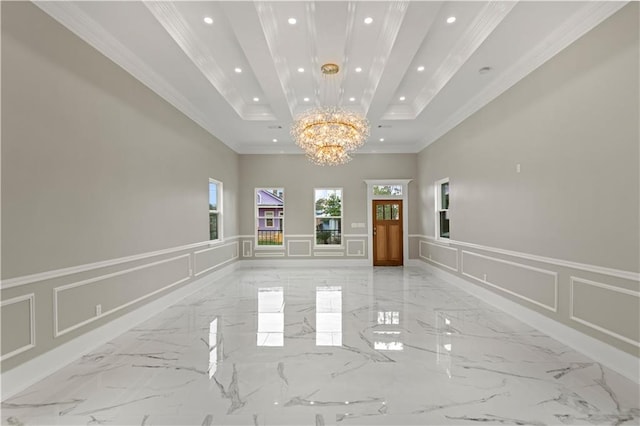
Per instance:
(328,134)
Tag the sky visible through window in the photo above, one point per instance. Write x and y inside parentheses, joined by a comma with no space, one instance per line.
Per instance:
(213,195)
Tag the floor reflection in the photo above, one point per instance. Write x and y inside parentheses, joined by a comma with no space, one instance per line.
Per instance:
(270,316)
(329,316)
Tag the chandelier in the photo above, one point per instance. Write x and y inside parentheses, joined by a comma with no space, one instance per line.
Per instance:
(328,134)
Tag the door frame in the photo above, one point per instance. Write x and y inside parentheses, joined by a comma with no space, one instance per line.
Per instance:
(405,213)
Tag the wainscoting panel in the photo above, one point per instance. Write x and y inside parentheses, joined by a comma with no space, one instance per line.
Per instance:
(213,257)
(18,325)
(299,248)
(356,248)
(535,285)
(328,253)
(606,308)
(444,256)
(247,248)
(80,303)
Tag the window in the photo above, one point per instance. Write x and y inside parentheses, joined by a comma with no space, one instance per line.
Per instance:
(387,189)
(442,208)
(215,209)
(328,215)
(269,216)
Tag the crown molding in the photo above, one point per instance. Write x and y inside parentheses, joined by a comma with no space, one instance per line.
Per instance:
(196,49)
(587,18)
(75,20)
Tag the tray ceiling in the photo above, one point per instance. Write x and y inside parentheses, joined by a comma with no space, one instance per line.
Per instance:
(245,75)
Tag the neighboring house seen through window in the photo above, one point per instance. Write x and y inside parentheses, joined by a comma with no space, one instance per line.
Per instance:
(269,216)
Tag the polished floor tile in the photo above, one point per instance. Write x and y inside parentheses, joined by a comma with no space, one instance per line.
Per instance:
(361,346)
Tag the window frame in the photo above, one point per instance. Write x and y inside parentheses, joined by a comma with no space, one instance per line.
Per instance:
(218,211)
(275,219)
(316,217)
(438,208)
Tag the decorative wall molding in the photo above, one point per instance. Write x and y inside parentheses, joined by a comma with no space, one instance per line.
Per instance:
(328,253)
(21,377)
(573,281)
(355,253)
(56,273)
(304,263)
(428,258)
(57,332)
(204,271)
(553,308)
(619,273)
(247,248)
(306,242)
(32,328)
(617,360)
(269,254)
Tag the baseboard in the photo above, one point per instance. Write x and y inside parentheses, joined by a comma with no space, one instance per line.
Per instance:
(305,263)
(36,369)
(615,359)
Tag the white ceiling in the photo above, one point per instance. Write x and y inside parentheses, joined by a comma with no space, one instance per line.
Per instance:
(191,64)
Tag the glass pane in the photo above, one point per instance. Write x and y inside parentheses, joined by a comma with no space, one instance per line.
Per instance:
(444,193)
(213,226)
(379,213)
(329,231)
(387,212)
(444,225)
(270,211)
(395,212)
(213,196)
(387,189)
(328,202)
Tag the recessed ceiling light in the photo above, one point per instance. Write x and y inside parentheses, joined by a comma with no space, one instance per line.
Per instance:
(358,69)
(208,20)
(275,140)
(368,20)
(292,21)
(300,69)
(306,99)
(421,68)
(381,139)
(484,70)
(402,98)
(352,99)
(451,19)
(238,70)
(256,99)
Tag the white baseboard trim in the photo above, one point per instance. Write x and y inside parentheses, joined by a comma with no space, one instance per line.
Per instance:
(36,369)
(615,359)
(304,263)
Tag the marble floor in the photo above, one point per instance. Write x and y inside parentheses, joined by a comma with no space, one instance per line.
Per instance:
(361,346)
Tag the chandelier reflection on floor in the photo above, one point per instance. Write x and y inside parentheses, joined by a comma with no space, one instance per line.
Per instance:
(328,134)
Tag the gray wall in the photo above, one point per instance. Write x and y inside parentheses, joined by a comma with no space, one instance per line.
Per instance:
(572,125)
(95,167)
(299,177)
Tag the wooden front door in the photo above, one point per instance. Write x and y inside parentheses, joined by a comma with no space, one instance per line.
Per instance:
(387,232)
